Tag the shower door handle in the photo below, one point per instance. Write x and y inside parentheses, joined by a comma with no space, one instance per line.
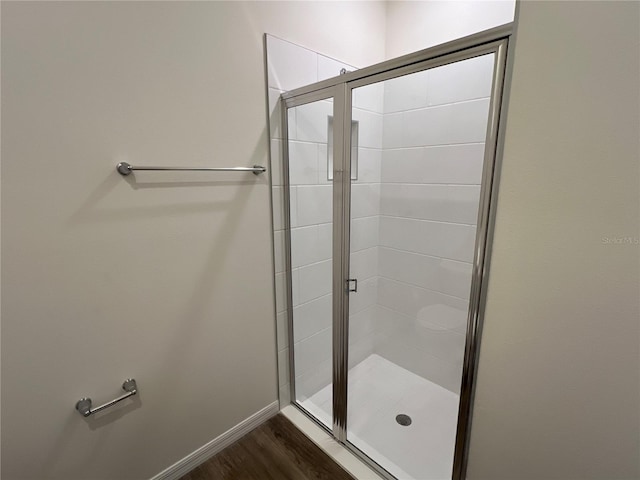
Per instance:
(355,285)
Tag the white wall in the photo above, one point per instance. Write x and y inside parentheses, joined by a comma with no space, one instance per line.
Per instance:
(165,278)
(415,25)
(558,385)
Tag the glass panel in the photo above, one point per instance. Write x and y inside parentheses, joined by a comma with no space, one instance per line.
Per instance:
(311,212)
(414,210)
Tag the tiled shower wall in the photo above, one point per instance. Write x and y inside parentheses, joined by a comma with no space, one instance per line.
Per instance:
(434,129)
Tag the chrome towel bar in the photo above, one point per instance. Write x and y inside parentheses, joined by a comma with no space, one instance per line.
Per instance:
(125,169)
(84,404)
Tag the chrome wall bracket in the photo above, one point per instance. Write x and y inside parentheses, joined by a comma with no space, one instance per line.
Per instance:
(84,404)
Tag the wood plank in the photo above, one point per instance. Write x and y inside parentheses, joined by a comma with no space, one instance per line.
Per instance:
(276,450)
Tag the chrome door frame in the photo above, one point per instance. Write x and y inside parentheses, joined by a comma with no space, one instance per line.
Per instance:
(494,41)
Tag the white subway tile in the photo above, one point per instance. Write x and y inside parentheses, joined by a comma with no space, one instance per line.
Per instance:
(364,264)
(281,292)
(405,298)
(405,93)
(369,128)
(303,163)
(278,250)
(292,123)
(409,267)
(469,121)
(365,199)
(453,164)
(285,395)
(369,97)
(404,165)
(283,367)
(282,331)
(365,297)
(293,206)
(310,244)
(275,113)
(312,121)
(329,68)
(446,124)
(290,66)
(369,164)
(312,317)
(393,134)
(447,203)
(443,316)
(278,208)
(323,165)
(295,286)
(304,245)
(311,351)
(460,81)
(277,178)
(362,323)
(364,233)
(455,278)
(445,276)
(428,126)
(447,240)
(314,204)
(314,380)
(314,281)
(325,241)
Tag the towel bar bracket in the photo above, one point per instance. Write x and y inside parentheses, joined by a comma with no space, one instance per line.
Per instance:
(84,404)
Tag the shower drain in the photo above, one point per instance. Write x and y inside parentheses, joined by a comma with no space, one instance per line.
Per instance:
(404,420)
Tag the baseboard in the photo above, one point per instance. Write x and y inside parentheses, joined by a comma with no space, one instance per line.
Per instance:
(191,461)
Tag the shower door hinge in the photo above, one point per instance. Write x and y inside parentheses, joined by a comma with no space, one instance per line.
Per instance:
(355,285)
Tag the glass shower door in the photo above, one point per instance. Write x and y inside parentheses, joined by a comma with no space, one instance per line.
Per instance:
(413,211)
(310,200)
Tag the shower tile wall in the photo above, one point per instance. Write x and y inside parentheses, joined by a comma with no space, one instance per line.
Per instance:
(434,129)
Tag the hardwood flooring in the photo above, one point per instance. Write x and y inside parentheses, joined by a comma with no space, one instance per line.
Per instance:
(276,450)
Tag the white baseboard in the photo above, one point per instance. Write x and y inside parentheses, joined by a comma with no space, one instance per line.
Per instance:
(191,461)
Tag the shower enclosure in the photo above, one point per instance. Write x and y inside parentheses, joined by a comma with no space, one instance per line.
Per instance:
(389,183)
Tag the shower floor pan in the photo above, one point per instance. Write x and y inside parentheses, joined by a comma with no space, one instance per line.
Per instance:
(380,391)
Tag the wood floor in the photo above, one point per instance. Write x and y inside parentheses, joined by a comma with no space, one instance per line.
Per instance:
(276,450)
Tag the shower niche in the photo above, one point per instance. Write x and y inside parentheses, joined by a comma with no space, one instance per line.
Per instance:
(387,192)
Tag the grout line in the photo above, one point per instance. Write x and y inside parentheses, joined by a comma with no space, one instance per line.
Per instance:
(437,145)
(439,105)
(442,184)
(423,288)
(477,185)
(426,255)
(430,221)
(411,319)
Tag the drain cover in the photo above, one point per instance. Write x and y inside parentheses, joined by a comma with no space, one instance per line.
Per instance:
(404,420)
